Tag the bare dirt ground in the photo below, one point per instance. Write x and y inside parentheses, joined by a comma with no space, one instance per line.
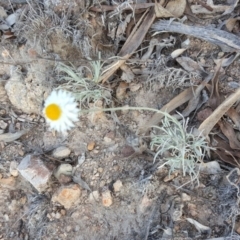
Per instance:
(117,187)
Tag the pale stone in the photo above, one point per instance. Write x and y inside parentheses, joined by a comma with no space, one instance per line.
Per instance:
(13,168)
(67,195)
(185,197)
(94,196)
(7,182)
(117,185)
(91,146)
(107,198)
(61,152)
(33,170)
(65,169)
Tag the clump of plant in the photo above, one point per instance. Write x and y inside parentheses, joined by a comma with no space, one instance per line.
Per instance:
(83,82)
(184,149)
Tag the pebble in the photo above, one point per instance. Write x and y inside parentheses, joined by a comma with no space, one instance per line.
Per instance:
(65,169)
(121,91)
(34,171)
(63,212)
(107,139)
(67,196)
(68,228)
(100,169)
(94,196)
(185,197)
(13,169)
(117,185)
(58,215)
(8,182)
(135,87)
(102,183)
(91,146)
(107,198)
(61,152)
(3,125)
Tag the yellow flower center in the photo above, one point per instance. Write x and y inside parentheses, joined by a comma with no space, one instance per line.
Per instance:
(53,112)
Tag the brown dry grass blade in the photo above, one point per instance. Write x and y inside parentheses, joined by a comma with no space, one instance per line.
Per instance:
(212,120)
(133,42)
(225,153)
(228,131)
(180,99)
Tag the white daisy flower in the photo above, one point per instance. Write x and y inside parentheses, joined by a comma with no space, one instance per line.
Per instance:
(60,110)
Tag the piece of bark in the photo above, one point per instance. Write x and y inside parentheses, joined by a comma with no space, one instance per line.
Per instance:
(227,41)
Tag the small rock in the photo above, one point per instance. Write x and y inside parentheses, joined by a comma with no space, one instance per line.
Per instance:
(63,212)
(8,182)
(3,125)
(185,197)
(107,139)
(192,209)
(127,151)
(100,169)
(94,196)
(65,169)
(145,203)
(13,168)
(58,215)
(117,185)
(91,146)
(169,178)
(121,91)
(135,87)
(33,170)
(107,198)
(67,195)
(61,152)
(69,228)
(64,179)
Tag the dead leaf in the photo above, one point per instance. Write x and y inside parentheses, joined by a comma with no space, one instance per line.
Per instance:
(204,114)
(224,152)
(123,26)
(201,228)
(180,99)
(235,116)
(189,65)
(193,103)
(215,99)
(151,46)
(176,7)
(212,120)
(228,131)
(121,91)
(3,13)
(231,22)
(225,62)
(132,43)
(178,52)
(161,12)
(127,74)
(8,35)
